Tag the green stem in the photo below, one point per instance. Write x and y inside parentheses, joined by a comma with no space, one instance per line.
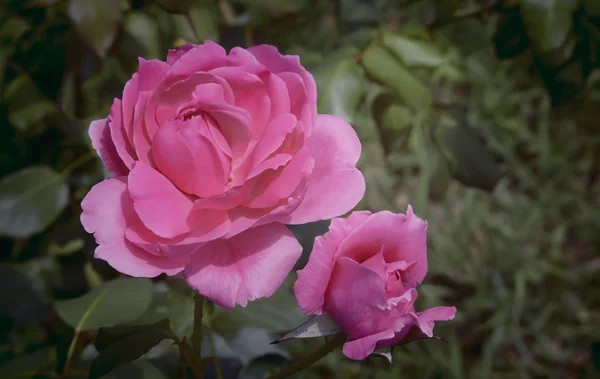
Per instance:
(197,332)
(71,352)
(330,346)
(78,162)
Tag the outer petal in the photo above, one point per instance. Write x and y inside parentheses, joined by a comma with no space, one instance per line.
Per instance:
(248,266)
(361,348)
(404,238)
(198,58)
(107,211)
(117,133)
(272,59)
(335,185)
(161,207)
(104,146)
(313,278)
(428,317)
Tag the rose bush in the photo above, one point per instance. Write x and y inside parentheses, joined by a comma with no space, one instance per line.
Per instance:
(364,273)
(212,153)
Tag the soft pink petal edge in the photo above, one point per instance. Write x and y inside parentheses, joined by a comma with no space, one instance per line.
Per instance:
(102,142)
(335,185)
(106,212)
(248,266)
(313,279)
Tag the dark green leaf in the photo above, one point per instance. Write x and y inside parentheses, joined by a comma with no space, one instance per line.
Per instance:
(263,367)
(140,369)
(121,345)
(341,88)
(510,38)
(13,28)
(316,326)
(116,302)
(592,7)
(470,162)
(31,200)
(414,53)
(97,22)
(144,30)
(108,336)
(383,67)
(175,6)
(277,314)
(596,355)
(548,23)
(28,366)
(204,20)
(251,343)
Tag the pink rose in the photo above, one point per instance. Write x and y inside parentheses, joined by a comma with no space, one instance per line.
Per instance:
(364,273)
(212,153)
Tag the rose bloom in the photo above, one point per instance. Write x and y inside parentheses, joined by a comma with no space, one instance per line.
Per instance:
(364,273)
(212,153)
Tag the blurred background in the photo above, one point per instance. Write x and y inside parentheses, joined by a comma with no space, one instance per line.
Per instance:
(484,115)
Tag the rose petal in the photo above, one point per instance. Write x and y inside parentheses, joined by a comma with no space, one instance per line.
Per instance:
(274,186)
(404,238)
(161,207)
(428,317)
(175,54)
(354,298)
(361,348)
(272,59)
(189,159)
(335,185)
(103,144)
(206,224)
(117,133)
(250,94)
(313,278)
(199,58)
(273,138)
(248,266)
(106,211)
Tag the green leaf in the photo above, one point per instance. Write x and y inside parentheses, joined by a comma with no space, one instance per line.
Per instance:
(71,247)
(27,118)
(548,23)
(32,199)
(140,369)
(13,28)
(277,314)
(144,30)
(92,277)
(316,326)
(469,161)
(263,367)
(396,118)
(251,343)
(175,6)
(121,345)
(97,22)
(106,337)
(414,53)
(341,88)
(203,20)
(116,302)
(383,67)
(41,362)
(592,7)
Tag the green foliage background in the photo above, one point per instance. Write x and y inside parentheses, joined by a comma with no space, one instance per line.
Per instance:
(481,114)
